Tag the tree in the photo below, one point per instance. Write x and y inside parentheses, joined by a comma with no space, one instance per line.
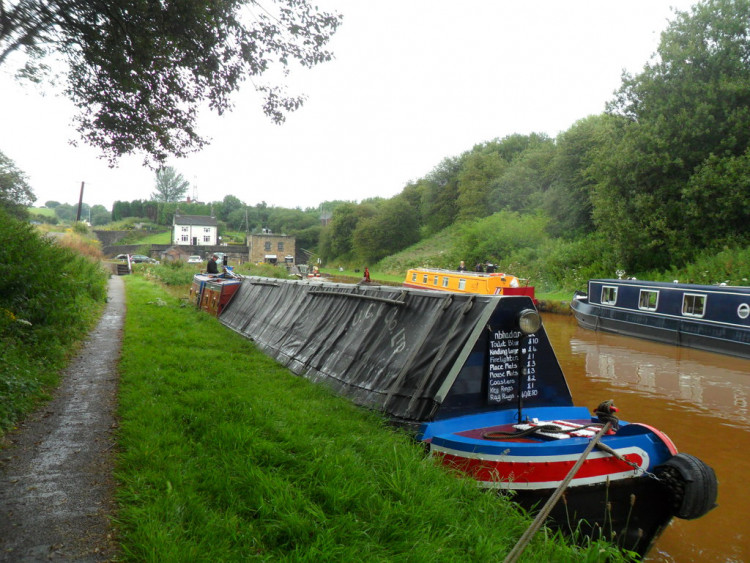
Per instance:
(229,203)
(483,165)
(15,193)
(439,195)
(138,70)
(568,201)
(394,227)
(170,186)
(690,103)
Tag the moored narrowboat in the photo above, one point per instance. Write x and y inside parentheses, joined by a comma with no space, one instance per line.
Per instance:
(476,380)
(212,292)
(715,318)
(481,283)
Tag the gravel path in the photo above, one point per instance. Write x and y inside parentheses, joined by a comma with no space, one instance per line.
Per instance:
(56,480)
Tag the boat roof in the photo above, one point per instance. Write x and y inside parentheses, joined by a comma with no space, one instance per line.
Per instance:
(674,285)
(415,354)
(464,273)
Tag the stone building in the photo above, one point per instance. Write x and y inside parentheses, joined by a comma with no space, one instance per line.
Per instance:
(272,249)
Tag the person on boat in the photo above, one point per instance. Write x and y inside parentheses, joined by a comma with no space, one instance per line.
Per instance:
(490,268)
(478,267)
(212,267)
(462,267)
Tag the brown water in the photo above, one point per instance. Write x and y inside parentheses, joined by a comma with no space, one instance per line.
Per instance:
(698,398)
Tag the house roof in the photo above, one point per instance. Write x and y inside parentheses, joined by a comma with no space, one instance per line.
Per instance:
(195,220)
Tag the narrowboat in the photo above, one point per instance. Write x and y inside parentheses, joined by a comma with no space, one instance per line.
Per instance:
(468,282)
(212,292)
(715,318)
(475,380)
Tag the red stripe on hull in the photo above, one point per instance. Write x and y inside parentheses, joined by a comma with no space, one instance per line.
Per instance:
(538,472)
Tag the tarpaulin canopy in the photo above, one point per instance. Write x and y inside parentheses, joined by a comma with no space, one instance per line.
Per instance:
(416,355)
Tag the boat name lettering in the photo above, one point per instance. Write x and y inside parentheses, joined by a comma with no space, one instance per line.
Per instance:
(506,334)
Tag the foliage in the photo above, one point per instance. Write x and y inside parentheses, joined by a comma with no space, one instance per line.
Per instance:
(496,238)
(42,315)
(15,192)
(140,71)
(394,226)
(170,185)
(688,109)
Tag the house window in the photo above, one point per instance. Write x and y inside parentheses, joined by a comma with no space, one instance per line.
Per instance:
(445,281)
(267,246)
(206,229)
(461,284)
(435,281)
(648,299)
(185,229)
(693,305)
(207,238)
(184,238)
(280,247)
(609,295)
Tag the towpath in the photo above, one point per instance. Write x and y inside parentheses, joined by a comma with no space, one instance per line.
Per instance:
(56,485)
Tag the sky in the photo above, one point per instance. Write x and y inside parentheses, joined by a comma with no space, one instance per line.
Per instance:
(413,82)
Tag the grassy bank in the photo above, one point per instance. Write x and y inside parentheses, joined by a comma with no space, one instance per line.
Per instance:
(51,294)
(227,456)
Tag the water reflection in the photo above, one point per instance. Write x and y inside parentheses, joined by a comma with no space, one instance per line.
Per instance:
(698,398)
(715,384)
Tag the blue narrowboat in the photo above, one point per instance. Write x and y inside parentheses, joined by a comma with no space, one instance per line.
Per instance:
(715,318)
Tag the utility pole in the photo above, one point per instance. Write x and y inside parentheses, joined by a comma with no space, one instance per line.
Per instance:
(80,204)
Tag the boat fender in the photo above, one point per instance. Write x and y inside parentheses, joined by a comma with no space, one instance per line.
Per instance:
(692,484)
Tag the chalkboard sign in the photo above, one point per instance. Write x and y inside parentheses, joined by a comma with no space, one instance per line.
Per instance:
(511,356)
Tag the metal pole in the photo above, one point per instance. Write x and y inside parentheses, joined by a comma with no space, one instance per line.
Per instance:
(519,548)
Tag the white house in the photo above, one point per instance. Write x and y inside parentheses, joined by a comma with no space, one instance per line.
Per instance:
(195,230)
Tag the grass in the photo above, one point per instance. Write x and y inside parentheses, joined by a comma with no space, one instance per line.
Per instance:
(156,238)
(227,456)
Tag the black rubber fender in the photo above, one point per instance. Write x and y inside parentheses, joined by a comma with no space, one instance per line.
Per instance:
(692,484)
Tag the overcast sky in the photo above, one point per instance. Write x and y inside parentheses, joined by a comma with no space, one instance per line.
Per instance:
(413,82)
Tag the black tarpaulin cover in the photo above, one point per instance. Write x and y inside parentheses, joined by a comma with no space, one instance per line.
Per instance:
(392,349)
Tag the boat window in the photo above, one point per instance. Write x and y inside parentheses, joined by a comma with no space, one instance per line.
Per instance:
(414,276)
(648,299)
(435,281)
(445,281)
(424,278)
(743,311)
(461,284)
(693,305)
(609,295)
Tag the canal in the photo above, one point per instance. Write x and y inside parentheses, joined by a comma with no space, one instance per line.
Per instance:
(699,399)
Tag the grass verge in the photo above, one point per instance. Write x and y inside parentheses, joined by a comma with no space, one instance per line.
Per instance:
(227,456)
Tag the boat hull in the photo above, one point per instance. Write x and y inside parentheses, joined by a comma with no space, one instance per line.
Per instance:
(617,499)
